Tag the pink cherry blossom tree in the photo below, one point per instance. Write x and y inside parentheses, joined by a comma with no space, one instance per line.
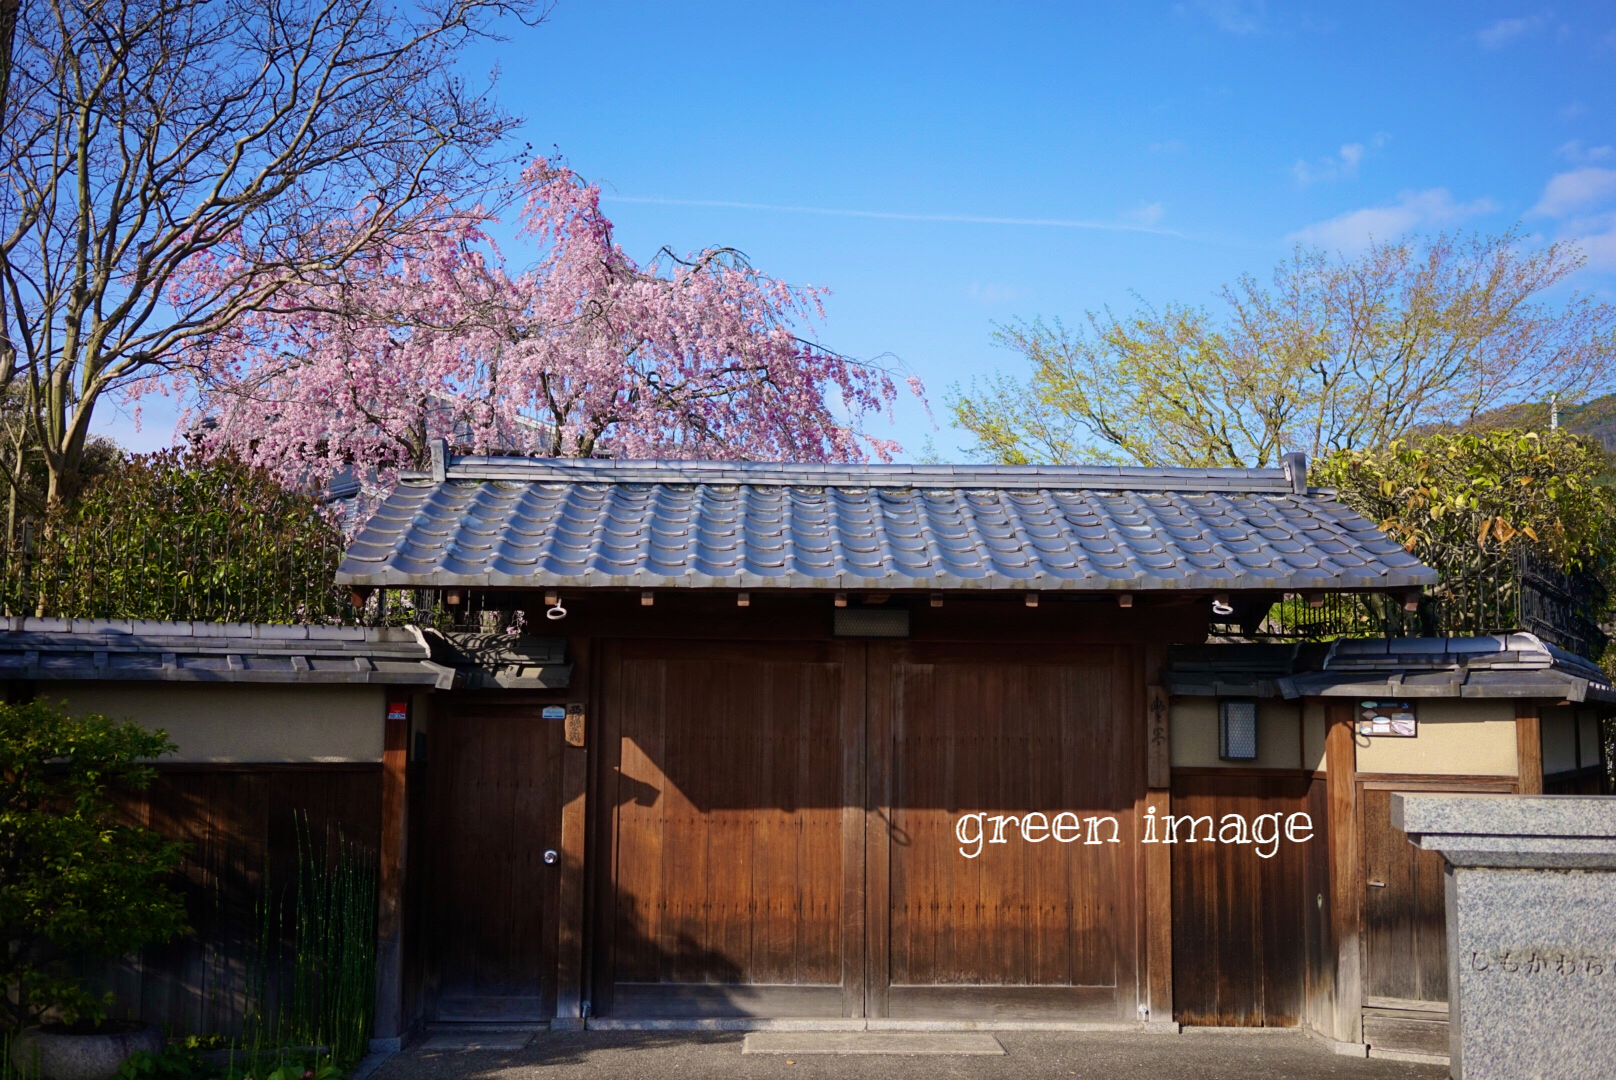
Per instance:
(585,354)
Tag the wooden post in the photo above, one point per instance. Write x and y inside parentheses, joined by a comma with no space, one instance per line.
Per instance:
(391,1023)
(1346,888)
(1529,749)
(574,830)
(1158,860)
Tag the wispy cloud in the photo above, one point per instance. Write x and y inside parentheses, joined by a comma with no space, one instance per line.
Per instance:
(887,215)
(989,292)
(1355,229)
(1578,154)
(1147,214)
(1342,165)
(1585,202)
(1234,16)
(1504,31)
(1598,243)
(1579,190)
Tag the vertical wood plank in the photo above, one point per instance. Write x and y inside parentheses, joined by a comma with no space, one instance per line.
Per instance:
(1528,748)
(1157,859)
(390,1019)
(606,738)
(1346,884)
(878,683)
(853,738)
(574,822)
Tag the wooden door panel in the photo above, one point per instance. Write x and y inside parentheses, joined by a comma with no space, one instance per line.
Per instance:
(1405,920)
(494,772)
(729,866)
(1031,929)
(1240,922)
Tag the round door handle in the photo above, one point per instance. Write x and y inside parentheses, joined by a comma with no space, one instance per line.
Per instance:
(551,857)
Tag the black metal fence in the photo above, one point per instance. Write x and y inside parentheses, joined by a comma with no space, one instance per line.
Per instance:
(1520,593)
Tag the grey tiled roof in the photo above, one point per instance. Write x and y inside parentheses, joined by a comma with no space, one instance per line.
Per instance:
(517,522)
(1488,666)
(150,651)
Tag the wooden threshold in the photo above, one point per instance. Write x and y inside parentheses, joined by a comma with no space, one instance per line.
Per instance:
(670,1001)
(1091,1003)
(462,1010)
(1439,1008)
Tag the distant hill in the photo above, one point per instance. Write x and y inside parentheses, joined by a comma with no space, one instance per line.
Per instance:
(1596,419)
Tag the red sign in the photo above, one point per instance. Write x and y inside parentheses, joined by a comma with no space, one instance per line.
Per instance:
(398,710)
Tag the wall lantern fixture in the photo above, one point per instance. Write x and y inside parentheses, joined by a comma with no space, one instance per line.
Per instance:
(1237,729)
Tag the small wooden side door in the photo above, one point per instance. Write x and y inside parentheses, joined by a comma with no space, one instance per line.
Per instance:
(494,769)
(1405,936)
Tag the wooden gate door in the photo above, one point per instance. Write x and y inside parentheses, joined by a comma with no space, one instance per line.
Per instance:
(493,769)
(733,775)
(1405,922)
(1030,927)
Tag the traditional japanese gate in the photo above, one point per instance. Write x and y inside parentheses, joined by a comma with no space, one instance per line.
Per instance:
(779,833)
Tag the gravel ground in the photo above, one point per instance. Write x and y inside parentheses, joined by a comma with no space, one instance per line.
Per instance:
(1029,1056)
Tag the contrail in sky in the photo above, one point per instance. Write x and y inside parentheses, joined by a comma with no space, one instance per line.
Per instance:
(963,219)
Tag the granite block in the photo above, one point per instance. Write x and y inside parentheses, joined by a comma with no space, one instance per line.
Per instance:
(1531,973)
(1531,921)
(1546,831)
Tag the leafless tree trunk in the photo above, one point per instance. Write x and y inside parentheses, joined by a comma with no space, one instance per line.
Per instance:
(254,141)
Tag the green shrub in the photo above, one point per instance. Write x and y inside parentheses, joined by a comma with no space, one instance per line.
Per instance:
(74,882)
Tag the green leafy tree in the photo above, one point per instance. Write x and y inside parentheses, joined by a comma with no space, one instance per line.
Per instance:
(168,536)
(74,881)
(1333,354)
(1468,503)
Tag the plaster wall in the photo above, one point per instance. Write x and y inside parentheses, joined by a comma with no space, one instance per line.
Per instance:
(1570,738)
(1194,735)
(1314,726)
(1589,719)
(220,724)
(1559,727)
(1457,737)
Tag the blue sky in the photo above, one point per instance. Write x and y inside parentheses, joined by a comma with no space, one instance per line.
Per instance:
(940,167)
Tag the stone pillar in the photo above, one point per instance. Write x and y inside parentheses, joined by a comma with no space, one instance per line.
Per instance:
(1531,905)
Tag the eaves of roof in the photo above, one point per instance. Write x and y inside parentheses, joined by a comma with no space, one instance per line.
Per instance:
(553,523)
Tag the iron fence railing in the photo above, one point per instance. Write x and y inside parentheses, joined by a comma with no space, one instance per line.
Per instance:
(1518,593)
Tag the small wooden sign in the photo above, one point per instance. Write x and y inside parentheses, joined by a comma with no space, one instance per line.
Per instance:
(575,724)
(1160,771)
(1383,719)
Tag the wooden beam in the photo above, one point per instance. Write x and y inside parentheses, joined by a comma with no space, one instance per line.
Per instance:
(1346,885)
(391,1023)
(878,680)
(855,981)
(1528,748)
(570,898)
(1157,858)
